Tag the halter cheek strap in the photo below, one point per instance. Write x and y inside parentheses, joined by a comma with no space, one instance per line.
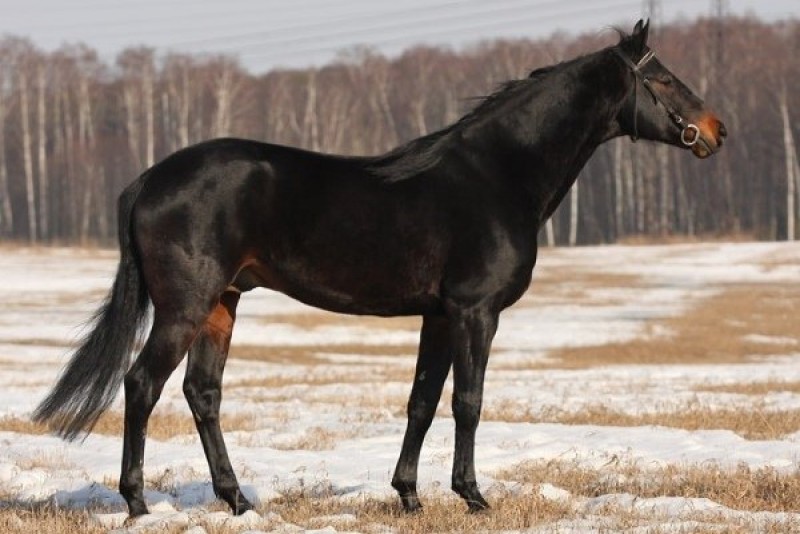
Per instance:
(680,122)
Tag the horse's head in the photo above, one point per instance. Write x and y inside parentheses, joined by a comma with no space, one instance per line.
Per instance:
(661,107)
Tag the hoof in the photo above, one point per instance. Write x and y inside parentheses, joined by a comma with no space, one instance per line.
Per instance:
(411,504)
(136,509)
(242,508)
(471,495)
(239,504)
(477,507)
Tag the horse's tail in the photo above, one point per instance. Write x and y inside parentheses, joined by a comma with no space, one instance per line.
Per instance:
(90,381)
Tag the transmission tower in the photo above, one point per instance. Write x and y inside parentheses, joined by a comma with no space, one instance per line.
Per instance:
(651,9)
(719,12)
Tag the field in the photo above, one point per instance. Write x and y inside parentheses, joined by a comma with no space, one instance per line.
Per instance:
(633,388)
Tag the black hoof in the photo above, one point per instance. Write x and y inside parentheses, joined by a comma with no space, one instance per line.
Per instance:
(136,509)
(478,506)
(408,496)
(238,503)
(473,497)
(411,504)
(242,507)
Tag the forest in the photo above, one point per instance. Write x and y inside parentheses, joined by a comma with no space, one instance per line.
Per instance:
(75,129)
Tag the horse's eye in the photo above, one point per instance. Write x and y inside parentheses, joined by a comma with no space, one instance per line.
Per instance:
(663,80)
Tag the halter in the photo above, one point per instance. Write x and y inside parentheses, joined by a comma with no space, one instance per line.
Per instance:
(679,121)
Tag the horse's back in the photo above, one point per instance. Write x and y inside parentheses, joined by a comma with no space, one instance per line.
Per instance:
(319,228)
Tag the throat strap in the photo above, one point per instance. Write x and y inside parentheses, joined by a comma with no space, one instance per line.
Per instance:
(636,68)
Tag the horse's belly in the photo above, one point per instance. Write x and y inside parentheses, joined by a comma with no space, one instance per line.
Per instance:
(363,288)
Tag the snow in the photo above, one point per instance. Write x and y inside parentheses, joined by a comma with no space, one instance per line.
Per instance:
(49,293)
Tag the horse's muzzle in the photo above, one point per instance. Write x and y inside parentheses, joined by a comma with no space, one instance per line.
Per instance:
(710,133)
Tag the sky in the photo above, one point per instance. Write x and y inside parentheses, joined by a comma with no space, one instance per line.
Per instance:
(266,34)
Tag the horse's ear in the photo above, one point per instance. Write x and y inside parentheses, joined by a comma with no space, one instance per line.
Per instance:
(639,36)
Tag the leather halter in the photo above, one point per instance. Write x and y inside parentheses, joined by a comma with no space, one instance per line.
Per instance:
(676,118)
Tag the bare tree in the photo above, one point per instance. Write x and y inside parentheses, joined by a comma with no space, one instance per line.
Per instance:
(573,214)
(227,81)
(41,137)
(6,213)
(791,165)
(177,71)
(23,73)
(138,79)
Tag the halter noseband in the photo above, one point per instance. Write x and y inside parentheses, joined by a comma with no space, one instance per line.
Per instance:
(679,121)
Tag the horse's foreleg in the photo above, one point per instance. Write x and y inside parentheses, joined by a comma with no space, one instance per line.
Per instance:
(203,389)
(474,333)
(433,364)
(164,349)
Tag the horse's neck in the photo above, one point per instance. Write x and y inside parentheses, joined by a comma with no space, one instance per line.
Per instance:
(552,136)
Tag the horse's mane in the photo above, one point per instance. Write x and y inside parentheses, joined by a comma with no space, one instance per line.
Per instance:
(423,153)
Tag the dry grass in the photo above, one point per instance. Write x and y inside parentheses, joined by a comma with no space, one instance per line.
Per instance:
(442,513)
(754,388)
(314,354)
(163,425)
(717,330)
(755,423)
(575,286)
(45,519)
(376,375)
(315,438)
(742,488)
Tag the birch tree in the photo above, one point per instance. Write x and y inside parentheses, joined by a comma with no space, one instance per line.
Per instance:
(6,212)
(23,74)
(791,166)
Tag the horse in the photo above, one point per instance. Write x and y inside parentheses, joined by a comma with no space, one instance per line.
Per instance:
(444,227)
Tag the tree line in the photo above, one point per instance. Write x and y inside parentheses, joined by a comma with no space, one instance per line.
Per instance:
(75,130)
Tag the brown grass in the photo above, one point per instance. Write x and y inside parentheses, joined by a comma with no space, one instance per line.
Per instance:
(313,439)
(574,286)
(312,354)
(163,425)
(712,332)
(754,424)
(442,513)
(754,388)
(44,519)
(742,488)
(376,375)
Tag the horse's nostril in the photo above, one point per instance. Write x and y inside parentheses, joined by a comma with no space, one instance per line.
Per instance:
(723,132)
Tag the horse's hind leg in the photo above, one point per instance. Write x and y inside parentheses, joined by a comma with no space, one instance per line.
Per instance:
(203,389)
(169,339)
(433,365)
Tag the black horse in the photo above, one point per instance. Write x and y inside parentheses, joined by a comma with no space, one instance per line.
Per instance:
(444,227)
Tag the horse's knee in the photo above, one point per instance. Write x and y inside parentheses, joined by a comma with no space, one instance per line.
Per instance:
(421,410)
(466,410)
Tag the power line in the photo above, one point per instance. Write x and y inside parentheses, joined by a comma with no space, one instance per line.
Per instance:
(368,22)
(419,28)
(311,46)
